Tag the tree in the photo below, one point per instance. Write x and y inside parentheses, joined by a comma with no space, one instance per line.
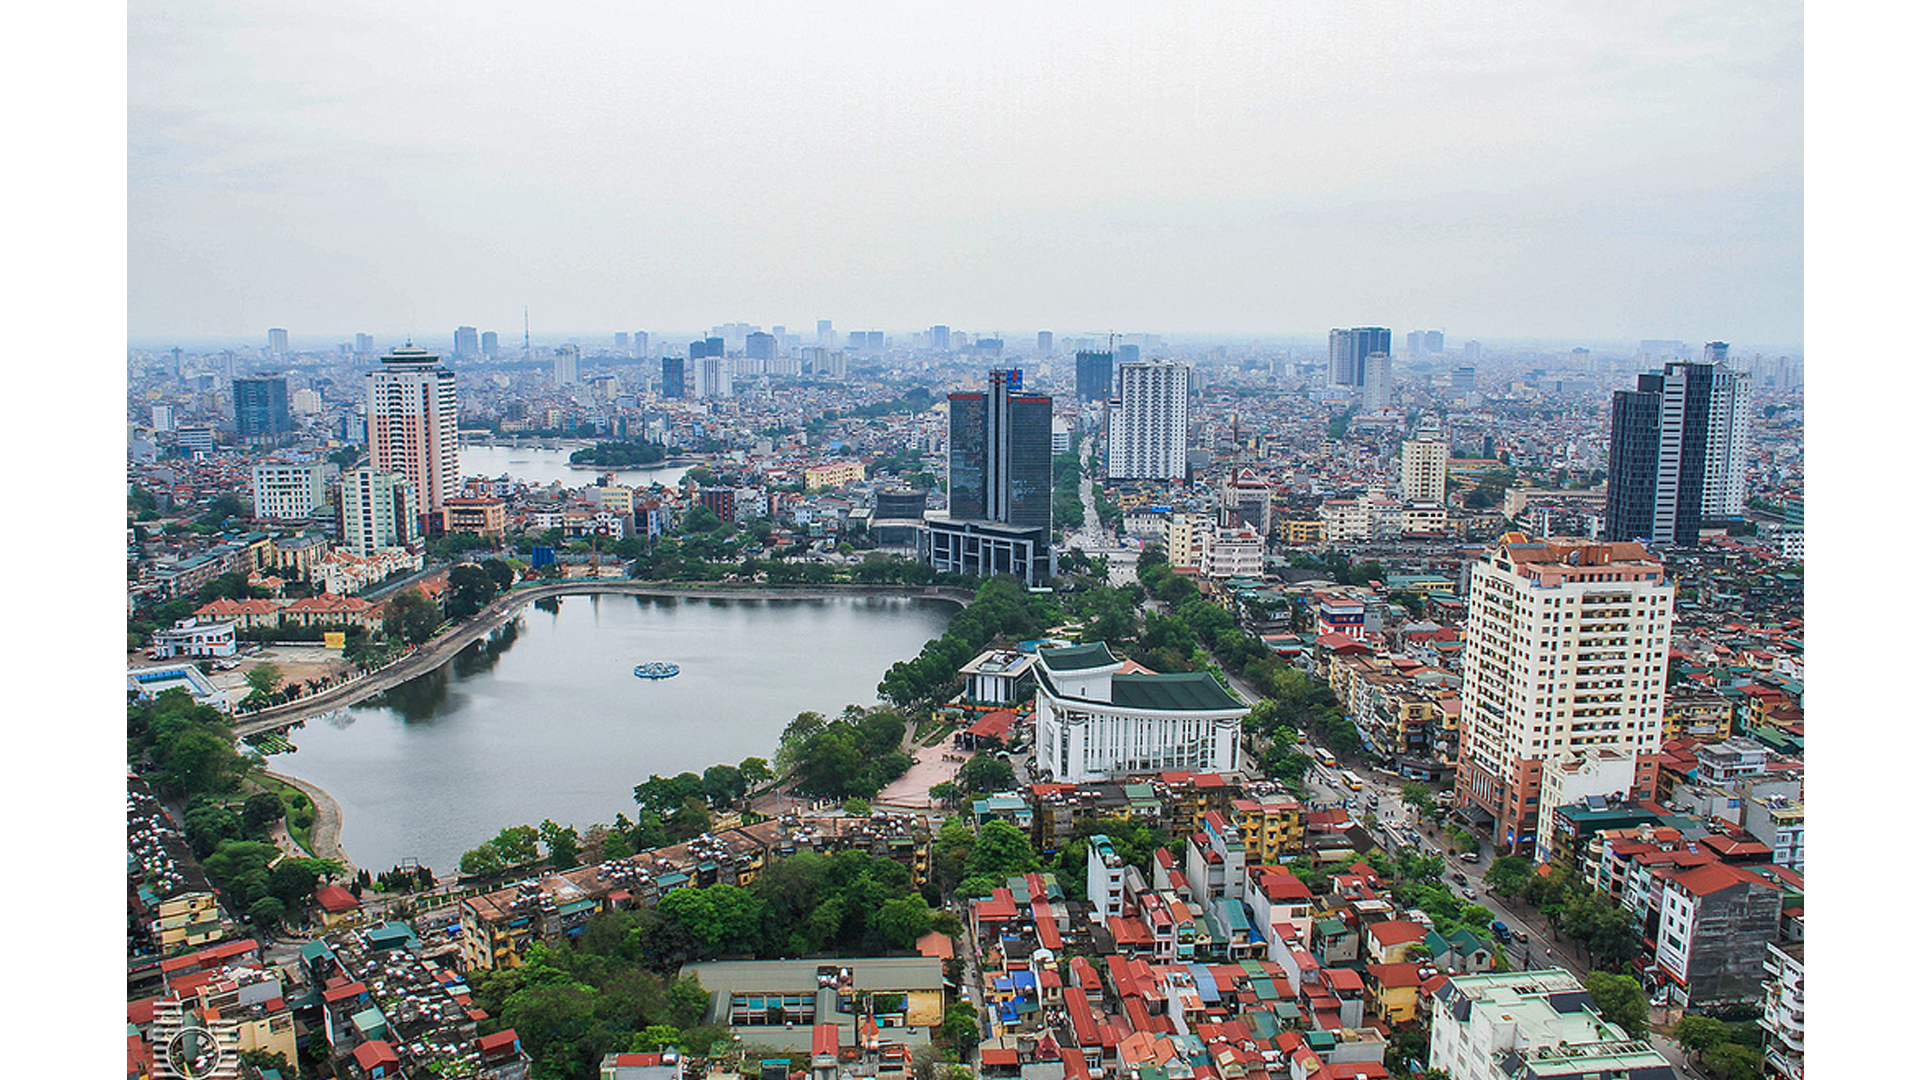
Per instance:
(482,861)
(720,918)
(469,588)
(267,911)
(262,809)
(1001,850)
(264,679)
(500,572)
(1620,1001)
(985,773)
(960,1029)
(563,844)
(1731,1061)
(1697,1034)
(410,617)
(903,922)
(1508,874)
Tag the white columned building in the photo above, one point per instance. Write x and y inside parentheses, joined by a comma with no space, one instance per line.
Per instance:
(1093,722)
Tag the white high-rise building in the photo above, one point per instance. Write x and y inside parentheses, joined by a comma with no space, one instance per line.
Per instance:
(1545,1020)
(1423,467)
(1147,431)
(412,418)
(566,365)
(378,510)
(1377,392)
(712,377)
(1729,444)
(289,491)
(1566,653)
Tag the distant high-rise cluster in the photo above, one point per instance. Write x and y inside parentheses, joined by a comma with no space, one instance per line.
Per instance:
(1678,452)
(1349,350)
(1425,343)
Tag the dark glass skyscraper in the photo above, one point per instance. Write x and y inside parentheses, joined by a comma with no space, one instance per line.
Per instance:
(1000,458)
(673,377)
(1093,376)
(260,408)
(1347,352)
(1657,456)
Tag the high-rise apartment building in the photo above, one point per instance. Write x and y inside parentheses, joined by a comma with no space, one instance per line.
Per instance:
(378,509)
(712,376)
(566,365)
(466,343)
(1377,390)
(761,346)
(823,334)
(621,342)
(288,490)
(1423,467)
(277,341)
(490,345)
(641,345)
(412,417)
(940,338)
(260,408)
(1347,352)
(1678,453)
(1043,343)
(1092,376)
(363,344)
(1566,654)
(999,484)
(673,377)
(1147,431)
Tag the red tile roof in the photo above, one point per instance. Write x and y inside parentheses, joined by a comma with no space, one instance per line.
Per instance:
(334,900)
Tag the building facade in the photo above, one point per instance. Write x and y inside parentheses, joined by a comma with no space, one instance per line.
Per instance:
(1423,467)
(999,483)
(412,417)
(1093,376)
(1678,453)
(378,510)
(1348,350)
(289,491)
(260,408)
(1147,431)
(1566,653)
(1533,1024)
(1092,722)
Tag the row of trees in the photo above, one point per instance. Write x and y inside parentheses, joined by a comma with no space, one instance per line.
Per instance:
(1001,608)
(1068,511)
(523,845)
(850,757)
(619,454)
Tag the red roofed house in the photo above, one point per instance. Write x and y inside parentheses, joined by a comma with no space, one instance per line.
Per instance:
(1388,942)
(1394,991)
(826,1051)
(1714,927)
(336,904)
(662,1065)
(375,1060)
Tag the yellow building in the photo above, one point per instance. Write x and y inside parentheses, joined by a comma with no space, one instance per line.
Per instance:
(1303,532)
(1271,828)
(1697,714)
(833,474)
(189,920)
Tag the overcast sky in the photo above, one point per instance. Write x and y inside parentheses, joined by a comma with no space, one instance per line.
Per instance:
(1499,170)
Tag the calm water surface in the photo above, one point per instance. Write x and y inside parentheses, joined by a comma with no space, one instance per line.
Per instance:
(546,719)
(544,467)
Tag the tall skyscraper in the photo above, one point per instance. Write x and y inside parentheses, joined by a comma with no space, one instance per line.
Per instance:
(620,341)
(363,344)
(1128,354)
(673,377)
(1000,484)
(1093,376)
(1147,431)
(490,345)
(712,376)
(940,338)
(277,341)
(1678,453)
(1347,352)
(260,408)
(641,346)
(378,509)
(823,334)
(173,363)
(761,346)
(466,343)
(566,365)
(1423,467)
(1043,343)
(1566,659)
(412,419)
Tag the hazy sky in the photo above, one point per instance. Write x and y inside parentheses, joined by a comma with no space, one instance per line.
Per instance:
(1551,169)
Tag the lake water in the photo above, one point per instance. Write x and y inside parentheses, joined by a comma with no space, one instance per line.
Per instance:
(549,466)
(546,720)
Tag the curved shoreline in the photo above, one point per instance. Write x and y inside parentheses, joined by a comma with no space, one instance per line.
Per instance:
(437,652)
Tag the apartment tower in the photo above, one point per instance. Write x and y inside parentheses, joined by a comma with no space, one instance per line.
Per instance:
(412,416)
(1566,654)
(1147,427)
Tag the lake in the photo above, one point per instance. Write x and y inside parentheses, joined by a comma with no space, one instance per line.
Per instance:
(547,720)
(542,467)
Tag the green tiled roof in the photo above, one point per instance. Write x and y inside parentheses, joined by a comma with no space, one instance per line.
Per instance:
(1078,657)
(1192,690)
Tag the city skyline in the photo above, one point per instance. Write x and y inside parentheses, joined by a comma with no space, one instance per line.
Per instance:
(1248,173)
